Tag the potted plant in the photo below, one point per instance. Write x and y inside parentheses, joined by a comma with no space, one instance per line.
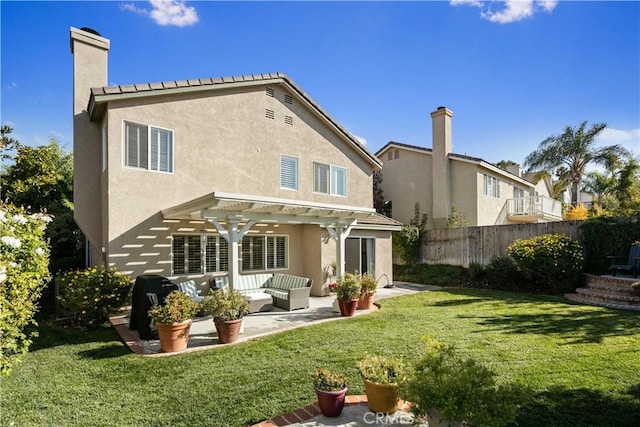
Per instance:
(173,320)
(381,377)
(635,287)
(444,387)
(348,291)
(331,389)
(228,307)
(368,287)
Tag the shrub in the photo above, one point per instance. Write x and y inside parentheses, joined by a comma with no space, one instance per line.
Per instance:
(605,237)
(225,305)
(368,284)
(502,273)
(327,380)
(406,243)
(24,262)
(93,294)
(348,287)
(579,212)
(429,274)
(381,369)
(460,389)
(178,307)
(552,262)
(476,270)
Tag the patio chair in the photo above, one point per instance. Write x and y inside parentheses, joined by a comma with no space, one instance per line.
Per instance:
(632,262)
(189,288)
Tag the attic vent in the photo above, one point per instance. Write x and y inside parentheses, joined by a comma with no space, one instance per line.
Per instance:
(288,120)
(390,155)
(269,114)
(288,99)
(269,92)
(396,154)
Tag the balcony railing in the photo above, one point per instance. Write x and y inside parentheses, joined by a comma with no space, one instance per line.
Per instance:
(534,208)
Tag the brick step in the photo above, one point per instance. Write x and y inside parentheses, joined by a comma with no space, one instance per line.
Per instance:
(609,295)
(610,280)
(609,287)
(601,303)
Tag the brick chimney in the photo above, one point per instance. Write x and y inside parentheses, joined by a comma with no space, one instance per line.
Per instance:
(441,179)
(90,52)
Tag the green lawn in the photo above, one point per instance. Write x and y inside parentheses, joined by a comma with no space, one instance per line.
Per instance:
(582,364)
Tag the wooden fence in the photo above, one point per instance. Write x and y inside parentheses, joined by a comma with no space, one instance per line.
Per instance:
(461,246)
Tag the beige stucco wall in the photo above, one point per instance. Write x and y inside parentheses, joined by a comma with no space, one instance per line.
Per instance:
(224,142)
(465,190)
(405,181)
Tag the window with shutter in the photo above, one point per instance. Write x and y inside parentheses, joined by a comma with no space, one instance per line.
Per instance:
(288,172)
(264,252)
(148,147)
(338,181)
(329,179)
(320,178)
(190,254)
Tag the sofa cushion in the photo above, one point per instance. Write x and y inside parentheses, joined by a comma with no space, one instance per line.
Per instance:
(245,283)
(287,281)
(263,280)
(278,293)
(189,288)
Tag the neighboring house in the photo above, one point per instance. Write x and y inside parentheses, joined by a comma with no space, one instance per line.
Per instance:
(225,176)
(438,179)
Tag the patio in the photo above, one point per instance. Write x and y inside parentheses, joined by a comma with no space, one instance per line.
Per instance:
(203,334)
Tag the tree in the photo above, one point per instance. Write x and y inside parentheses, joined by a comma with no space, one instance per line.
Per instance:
(504,164)
(41,178)
(378,194)
(627,188)
(599,185)
(6,142)
(569,153)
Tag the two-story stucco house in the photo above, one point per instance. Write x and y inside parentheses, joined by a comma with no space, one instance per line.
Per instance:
(225,176)
(438,179)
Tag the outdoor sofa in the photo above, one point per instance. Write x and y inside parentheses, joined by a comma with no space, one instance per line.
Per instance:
(264,290)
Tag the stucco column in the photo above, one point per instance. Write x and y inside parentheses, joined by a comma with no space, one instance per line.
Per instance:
(233,235)
(441,179)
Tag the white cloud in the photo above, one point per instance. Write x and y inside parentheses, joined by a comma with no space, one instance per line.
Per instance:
(166,12)
(510,10)
(12,85)
(360,139)
(630,139)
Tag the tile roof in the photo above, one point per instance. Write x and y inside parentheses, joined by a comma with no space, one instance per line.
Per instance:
(378,219)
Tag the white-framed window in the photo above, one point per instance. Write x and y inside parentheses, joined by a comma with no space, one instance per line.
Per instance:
(329,179)
(265,253)
(148,147)
(288,172)
(195,254)
(491,186)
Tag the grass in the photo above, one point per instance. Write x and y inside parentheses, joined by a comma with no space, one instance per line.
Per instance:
(581,363)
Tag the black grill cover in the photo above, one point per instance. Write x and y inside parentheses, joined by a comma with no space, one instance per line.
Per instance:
(140,304)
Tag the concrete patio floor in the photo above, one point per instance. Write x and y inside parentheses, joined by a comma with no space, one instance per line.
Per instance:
(203,334)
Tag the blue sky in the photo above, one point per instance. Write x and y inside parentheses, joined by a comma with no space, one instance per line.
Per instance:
(513,73)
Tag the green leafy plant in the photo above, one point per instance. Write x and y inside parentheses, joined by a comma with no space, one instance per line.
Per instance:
(24,261)
(502,273)
(225,305)
(381,369)
(620,233)
(348,287)
(178,307)
(476,270)
(635,287)
(368,284)
(552,262)
(461,390)
(327,380)
(406,243)
(93,294)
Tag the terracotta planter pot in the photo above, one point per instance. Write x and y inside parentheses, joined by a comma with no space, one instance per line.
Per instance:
(331,402)
(174,337)
(228,330)
(348,308)
(366,301)
(382,398)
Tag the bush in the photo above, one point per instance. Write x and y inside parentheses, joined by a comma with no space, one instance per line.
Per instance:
(605,237)
(24,262)
(93,294)
(348,287)
(381,369)
(460,389)
(178,307)
(476,270)
(368,284)
(552,262)
(430,274)
(502,273)
(406,243)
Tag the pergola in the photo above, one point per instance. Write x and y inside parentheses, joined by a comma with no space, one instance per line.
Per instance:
(233,215)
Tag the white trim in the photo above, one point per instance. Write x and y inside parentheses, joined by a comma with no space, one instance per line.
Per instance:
(149,127)
(297,173)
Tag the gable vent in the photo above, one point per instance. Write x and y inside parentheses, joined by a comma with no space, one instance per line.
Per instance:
(288,99)
(288,120)
(269,92)
(269,114)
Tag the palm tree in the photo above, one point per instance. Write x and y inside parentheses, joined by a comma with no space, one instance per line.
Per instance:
(571,152)
(599,184)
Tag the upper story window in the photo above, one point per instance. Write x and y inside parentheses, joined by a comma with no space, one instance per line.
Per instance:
(491,186)
(329,179)
(148,147)
(288,172)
